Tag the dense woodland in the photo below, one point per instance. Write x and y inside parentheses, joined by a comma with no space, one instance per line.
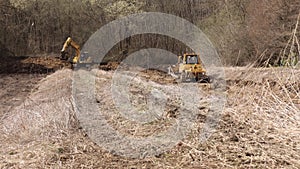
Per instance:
(264,32)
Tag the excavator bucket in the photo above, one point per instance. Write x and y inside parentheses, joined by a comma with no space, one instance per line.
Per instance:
(64,55)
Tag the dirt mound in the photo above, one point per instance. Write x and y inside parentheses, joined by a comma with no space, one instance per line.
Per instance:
(30,65)
(259,127)
(109,66)
(49,103)
(50,62)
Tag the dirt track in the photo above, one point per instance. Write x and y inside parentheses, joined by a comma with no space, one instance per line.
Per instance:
(259,127)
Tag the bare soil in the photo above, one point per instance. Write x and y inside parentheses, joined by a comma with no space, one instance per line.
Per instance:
(259,127)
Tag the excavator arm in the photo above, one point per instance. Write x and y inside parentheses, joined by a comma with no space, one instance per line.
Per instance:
(64,54)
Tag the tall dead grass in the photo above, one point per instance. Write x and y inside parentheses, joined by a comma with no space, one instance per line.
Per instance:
(259,128)
(267,101)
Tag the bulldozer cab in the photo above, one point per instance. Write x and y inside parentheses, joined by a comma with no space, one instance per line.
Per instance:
(189,59)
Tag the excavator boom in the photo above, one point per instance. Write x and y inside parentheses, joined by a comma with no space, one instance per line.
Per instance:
(64,55)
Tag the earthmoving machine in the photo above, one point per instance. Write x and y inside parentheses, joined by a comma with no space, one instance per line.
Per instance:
(79,57)
(64,53)
(189,68)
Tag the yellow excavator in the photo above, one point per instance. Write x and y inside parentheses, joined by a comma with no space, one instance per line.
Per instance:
(64,53)
(189,68)
(80,59)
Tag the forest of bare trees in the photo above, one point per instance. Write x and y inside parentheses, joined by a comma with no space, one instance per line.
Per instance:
(243,31)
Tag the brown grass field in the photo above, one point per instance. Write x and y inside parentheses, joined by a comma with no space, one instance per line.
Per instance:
(259,127)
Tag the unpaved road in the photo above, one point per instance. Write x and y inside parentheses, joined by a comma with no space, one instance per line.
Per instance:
(259,127)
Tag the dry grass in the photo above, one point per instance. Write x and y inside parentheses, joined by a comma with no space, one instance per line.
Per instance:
(258,129)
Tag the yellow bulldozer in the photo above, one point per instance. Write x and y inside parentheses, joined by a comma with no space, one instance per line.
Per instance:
(189,68)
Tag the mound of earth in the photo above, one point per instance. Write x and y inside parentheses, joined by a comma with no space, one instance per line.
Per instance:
(30,65)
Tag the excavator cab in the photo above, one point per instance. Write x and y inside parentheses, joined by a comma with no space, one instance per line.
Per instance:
(84,57)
